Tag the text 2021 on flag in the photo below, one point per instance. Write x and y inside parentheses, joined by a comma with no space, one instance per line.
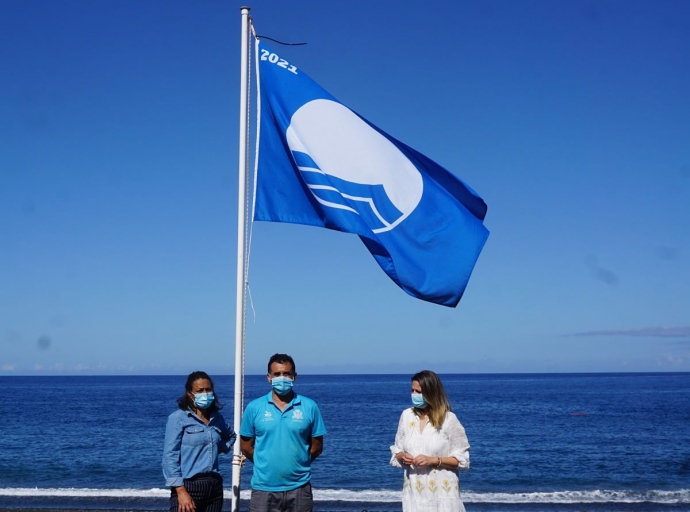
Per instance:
(323,165)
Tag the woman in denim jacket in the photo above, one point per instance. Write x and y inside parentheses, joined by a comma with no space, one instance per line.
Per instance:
(194,436)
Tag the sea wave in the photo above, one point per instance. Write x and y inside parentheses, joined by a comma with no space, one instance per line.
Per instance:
(680,496)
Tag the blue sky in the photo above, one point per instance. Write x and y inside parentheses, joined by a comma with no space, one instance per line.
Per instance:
(118,162)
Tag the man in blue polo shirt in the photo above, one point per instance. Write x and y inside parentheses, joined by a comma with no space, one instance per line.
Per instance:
(281,433)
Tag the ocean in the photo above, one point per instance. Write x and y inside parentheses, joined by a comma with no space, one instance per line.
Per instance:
(539,442)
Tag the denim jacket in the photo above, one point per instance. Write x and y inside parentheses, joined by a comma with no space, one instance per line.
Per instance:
(192,447)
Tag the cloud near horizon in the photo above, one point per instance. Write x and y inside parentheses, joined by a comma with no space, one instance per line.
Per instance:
(648,332)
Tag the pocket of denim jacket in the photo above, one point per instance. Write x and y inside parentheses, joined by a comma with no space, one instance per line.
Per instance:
(194,435)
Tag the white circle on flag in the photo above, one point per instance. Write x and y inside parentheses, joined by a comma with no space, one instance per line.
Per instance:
(344,146)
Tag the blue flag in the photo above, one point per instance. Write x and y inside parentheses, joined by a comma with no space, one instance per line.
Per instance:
(323,165)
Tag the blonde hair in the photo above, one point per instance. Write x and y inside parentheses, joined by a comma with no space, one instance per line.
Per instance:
(434,395)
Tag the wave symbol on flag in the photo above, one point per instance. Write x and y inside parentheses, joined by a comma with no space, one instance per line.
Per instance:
(350,166)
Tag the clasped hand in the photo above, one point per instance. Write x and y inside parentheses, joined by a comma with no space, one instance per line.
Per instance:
(419,460)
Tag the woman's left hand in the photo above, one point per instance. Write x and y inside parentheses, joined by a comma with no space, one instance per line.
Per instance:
(425,460)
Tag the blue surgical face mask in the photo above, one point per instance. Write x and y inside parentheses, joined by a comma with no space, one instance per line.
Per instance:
(203,400)
(418,401)
(281,385)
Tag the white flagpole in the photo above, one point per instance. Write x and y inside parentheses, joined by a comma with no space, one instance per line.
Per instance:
(241,257)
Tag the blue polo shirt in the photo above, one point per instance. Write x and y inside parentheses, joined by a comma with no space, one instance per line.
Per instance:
(282,440)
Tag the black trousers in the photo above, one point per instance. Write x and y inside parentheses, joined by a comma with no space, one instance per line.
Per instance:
(206,490)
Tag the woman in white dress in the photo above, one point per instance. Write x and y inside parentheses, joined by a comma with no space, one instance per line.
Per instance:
(430,446)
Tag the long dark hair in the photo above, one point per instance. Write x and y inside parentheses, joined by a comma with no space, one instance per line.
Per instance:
(184,402)
(435,396)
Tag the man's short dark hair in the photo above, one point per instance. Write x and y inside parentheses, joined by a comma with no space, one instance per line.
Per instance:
(281,359)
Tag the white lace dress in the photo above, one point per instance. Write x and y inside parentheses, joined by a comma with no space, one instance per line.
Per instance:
(427,489)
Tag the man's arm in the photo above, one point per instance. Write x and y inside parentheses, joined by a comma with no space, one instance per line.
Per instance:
(247,447)
(316,447)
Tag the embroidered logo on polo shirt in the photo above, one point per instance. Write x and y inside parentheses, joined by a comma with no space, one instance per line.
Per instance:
(268,416)
(297,415)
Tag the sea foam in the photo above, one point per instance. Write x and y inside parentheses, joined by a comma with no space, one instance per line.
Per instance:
(680,496)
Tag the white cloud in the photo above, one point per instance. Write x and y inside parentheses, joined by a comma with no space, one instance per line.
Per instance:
(647,332)
(672,360)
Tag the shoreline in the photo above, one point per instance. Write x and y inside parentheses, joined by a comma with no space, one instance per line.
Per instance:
(347,506)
